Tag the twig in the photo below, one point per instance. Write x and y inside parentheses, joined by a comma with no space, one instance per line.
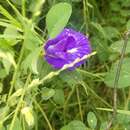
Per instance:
(117,79)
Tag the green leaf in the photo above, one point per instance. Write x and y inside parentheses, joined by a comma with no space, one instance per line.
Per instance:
(124,80)
(31,60)
(74,125)
(11,34)
(101,46)
(57,18)
(7,59)
(3,73)
(123,119)
(115,6)
(6,56)
(6,65)
(118,19)
(59,96)
(47,93)
(103,125)
(99,28)
(128,25)
(31,39)
(72,78)
(125,13)
(92,120)
(125,3)
(43,67)
(117,46)
(111,32)
(4,44)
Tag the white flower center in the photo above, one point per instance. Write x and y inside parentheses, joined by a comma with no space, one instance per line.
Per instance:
(72,50)
(51,47)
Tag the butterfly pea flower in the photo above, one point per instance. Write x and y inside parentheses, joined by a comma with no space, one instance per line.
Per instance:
(66,48)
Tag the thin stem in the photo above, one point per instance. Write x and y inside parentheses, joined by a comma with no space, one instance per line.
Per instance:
(23,124)
(16,71)
(127,101)
(78,99)
(8,116)
(86,14)
(66,102)
(23,8)
(89,88)
(19,103)
(44,114)
(117,79)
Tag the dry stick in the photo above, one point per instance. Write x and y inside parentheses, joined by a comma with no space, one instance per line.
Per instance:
(117,79)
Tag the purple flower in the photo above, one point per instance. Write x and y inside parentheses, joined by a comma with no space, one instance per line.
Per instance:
(66,47)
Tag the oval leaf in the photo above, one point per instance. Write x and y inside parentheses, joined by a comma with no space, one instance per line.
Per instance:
(117,46)
(92,120)
(47,93)
(124,80)
(59,97)
(57,18)
(74,125)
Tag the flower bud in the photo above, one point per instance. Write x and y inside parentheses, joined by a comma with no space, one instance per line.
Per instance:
(28,115)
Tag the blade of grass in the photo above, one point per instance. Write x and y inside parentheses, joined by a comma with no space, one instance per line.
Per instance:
(98,75)
(118,111)
(21,18)
(66,102)
(44,114)
(91,90)
(79,103)
(4,12)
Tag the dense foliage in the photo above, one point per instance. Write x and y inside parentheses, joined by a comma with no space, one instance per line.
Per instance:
(34,95)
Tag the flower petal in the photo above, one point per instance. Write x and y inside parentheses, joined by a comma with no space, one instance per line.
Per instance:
(56,62)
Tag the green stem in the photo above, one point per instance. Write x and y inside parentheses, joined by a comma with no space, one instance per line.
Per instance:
(19,103)
(66,102)
(86,14)
(16,71)
(89,88)
(8,116)
(44,114)
(78,99)
(23,8)
(117,76)
(127,101)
